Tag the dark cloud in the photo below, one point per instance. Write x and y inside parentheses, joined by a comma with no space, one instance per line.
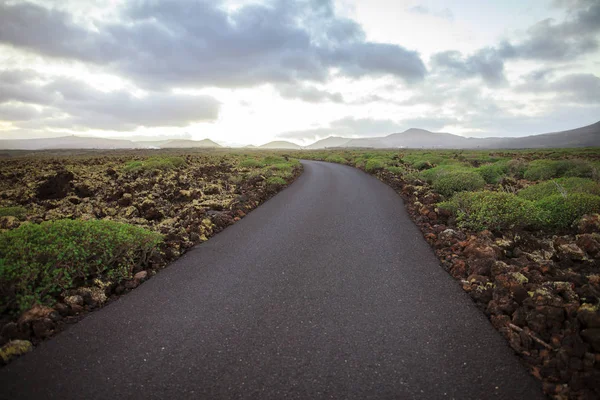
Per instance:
(551,41)
(485,63)
(19,112)
(309,94)
(83,107)
(196,43)
(547,40)
(574,88)
(53,33)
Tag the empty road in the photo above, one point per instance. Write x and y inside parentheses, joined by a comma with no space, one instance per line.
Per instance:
(326,291)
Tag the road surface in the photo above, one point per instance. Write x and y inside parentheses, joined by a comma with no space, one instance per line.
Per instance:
(326,291)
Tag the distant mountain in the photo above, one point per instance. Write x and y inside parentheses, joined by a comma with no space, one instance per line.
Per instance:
(331,141)
(421,138)
(66,142)
(187,144)
(587,136)
(280,144)
(78,142)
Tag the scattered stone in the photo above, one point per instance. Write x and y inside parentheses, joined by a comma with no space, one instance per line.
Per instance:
(132,284)
(589,224)
(83,190)
(477,249)
(126,200)
(43,328)
(571,251)
(92,296)
(150,211)
(74,200)
(592,336)
(141,276)
(590,243)
(37,312)
(589,316)
(76,309)
(56,186)
(9,222)
(62,309)
(119,290)
(75,300)
(10,331)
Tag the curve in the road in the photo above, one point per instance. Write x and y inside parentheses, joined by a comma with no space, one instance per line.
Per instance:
(328,290)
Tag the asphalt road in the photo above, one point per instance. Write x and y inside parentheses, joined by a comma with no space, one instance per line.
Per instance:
(327,290)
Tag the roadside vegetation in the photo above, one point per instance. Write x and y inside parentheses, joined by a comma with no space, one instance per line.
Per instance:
(79,227)
(520,230)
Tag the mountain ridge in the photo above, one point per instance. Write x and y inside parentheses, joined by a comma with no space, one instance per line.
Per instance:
(586,136)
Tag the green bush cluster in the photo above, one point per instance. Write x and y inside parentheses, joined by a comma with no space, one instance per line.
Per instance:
(457,181)
(492,173)
(491,210)
(541,170)
(561,212)
(395,170)
(558,186)
(334,158)
(269,160)
(155,163)
(374,164)
(16,211)
(276,181)
(432,174)
(422,165)
(501,210)
(251,163)
(38,262)
(517,167)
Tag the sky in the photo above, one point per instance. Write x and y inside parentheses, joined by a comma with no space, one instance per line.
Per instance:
(252,71)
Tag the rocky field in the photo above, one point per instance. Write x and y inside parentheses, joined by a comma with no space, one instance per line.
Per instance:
(78,229)
(520,231)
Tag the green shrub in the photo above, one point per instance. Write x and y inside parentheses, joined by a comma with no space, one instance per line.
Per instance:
(155,163)
(431,175)
(551,188)
(395,170)
(492,173)
(38,262)
(250,163)
(284,167)
(374,164)
(276,181)
(540,170)
(422,165)
(17,211)
(517,167)
(458,181)
(491,210)
(334,158)
(576,168)
(560,212)
(274,160)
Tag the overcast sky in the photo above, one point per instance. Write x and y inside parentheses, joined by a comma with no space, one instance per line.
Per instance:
(241,72)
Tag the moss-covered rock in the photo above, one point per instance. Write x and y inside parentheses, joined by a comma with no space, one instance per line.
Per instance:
(14,349)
